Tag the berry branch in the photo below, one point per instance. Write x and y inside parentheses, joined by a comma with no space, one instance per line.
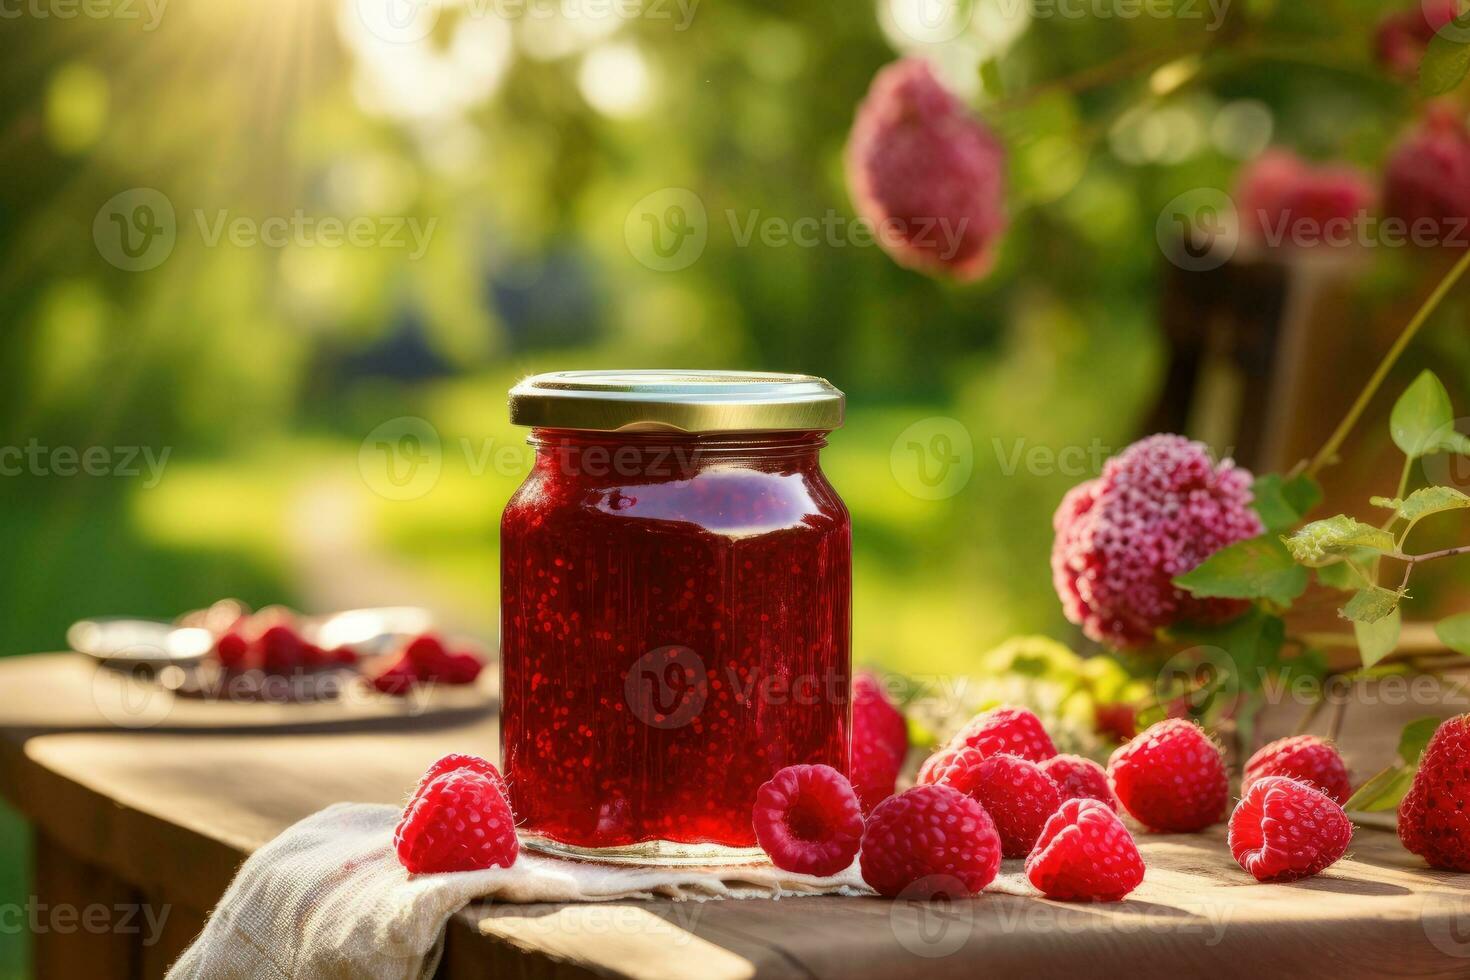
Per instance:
(1328,453)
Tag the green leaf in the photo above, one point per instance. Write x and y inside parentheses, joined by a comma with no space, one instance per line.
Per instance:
(1447,59)
(1308,663)
(1383,792)
(990,78)
(1257,568)
(1341,575)
(1378,639)
(1370,605)
(1423,502)
(1283,503)
(1421,416)
(1330,540)
(1454,633)
(1252,641)
(1415,738)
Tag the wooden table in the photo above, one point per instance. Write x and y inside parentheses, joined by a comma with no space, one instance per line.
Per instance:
(160,818)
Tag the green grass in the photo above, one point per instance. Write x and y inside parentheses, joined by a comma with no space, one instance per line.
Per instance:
(14,874)
(77,549)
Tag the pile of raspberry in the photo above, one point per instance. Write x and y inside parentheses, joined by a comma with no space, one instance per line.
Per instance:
(426,659)
(998,789)
(273,641)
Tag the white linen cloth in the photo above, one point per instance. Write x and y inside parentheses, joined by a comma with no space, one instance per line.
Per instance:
(328,899)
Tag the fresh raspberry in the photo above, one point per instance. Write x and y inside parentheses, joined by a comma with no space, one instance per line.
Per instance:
(314,657)
(926,174)
(880,742)
(1306,758)
(1284,830)
(1080,779)
(397,678)
(462,668)
(1118,721)
(233,651)
(1434,820)
(927,837)
(458,822)
(940,757)
(1007,729)
(807,818)
(454,762)
(1160,507)
(1085,853)
(1015,792)
(1171,778)
(427,653)
(281,649)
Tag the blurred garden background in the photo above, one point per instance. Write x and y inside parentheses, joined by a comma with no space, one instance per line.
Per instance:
(170,295)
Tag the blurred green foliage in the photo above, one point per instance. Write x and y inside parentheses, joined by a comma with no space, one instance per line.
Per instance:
(526,155)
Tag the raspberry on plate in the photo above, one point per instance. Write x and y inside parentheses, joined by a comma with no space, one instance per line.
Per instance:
(1434,817)
(1306,758)
(427,653)
(458,822)
(1085,853)
(1171,778)
(1015,792)
(233,650)
(808,820)
(1080,778)
(282,649)
(929,835)
(880,741)
(425,659)
(1284,830)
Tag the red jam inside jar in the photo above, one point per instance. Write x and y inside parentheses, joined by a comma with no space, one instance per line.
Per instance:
(675,613)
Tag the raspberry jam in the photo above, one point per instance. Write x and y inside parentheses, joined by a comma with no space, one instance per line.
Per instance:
(676,615)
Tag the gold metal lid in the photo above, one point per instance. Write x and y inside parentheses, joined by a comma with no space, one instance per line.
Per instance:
(686,401)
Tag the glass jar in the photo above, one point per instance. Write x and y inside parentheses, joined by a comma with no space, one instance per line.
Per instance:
(676,594)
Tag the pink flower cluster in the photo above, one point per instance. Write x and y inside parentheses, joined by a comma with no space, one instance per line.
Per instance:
(1159,508)
(1403,36)
(927,175)
(1284,200)
(1427,180)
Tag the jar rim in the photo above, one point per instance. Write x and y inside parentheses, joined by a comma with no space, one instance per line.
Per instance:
(679,401)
